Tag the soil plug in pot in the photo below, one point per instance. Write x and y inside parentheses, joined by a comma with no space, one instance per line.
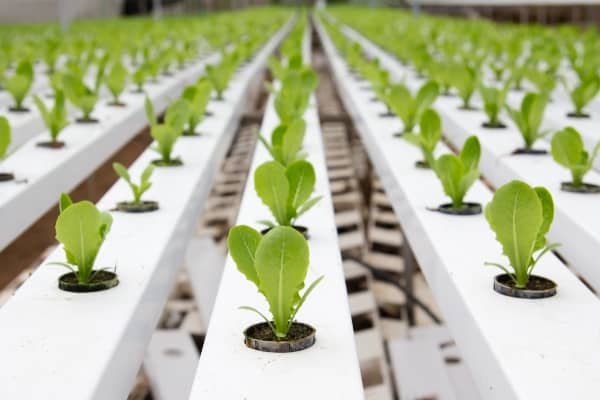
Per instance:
(5,139)
(568,150)
(277,264)
(430,133)
(529,120)
(167,133)
(521,216)
(82,228)
(457,174)
(137,205)
(55,119)
(286,191)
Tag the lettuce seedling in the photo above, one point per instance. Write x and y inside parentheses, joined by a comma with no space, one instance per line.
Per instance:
(458,173)
(81,228)
(19,84)
(430,133)
(277,263)
(167,133)
(81,95)
(582,94)
(286,190)
(139,77)
(521,216)
(286,142)
(197,96)
(408,107)
(116,80)
(219,75)
(494,100)
(466,80)
(293,98)
(137,190)
(55,118)
(569,151)
(529,117)
(5,137)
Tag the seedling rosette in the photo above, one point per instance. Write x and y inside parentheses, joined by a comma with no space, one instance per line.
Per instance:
(582,94)
(410,108)
(137,204)
(116,80)
(197,96)
(429,135)
(521,217)
(54,118)
(277,264)
(529,120)
(5,139)
(494,100)
(286,142)
(568,150)
(81,229)
(19,85)
(166,134)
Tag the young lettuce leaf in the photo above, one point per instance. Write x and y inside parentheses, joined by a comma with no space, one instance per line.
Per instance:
(521,216)
(137,190)
(430,133)
(81,228)
(277,264)
(458,173)
(568,150)
(286,191)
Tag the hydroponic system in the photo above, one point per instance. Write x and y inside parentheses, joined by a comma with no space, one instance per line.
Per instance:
(337,202)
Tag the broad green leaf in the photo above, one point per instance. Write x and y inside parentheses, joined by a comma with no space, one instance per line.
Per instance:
(281,262)
(122,171)
(301,178)
(242,243)
(548,216)
(271,185)
(471,153)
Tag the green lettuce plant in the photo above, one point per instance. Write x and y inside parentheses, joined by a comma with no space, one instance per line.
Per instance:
(494,100)
(19,84)
(197,97)
(529,117)
(83,96)
(137,190)
(5,137)
(293,98)
(410,108)
(286,142)
(116,80)
(582,94)
(286,191)
(81,228)
(167,133)
(139,77)
(277,263)
(521,217)
(430,133)
(465,79)
(55,118)
(457,173)
(569,151)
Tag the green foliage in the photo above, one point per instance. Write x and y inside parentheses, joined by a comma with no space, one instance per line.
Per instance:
(521,217)
(137,190)
(81,228)
(529,118)
(220,75)
(55,118)
(5,137)
(20,83)
(116,80)
(286,190)
(568,150)
(292,99)
(277,264)
(286,142)
(139,76)
(167,133)
(494,100)
(430,133)
(465,79)
(410,108)
(81,95)
(584,93)
(458,173)
(197,97)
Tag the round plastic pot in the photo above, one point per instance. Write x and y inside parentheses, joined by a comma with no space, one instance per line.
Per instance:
(142,207)
(102,280)
(530,152)
(586,188)
(578,115)
(537,288)
(6,176)
(176,162)
(422,164)
(117,104)
(51,145)
(465,209)
(260,337)
(16,109)
(302,229)
(88,120)
(498,125)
